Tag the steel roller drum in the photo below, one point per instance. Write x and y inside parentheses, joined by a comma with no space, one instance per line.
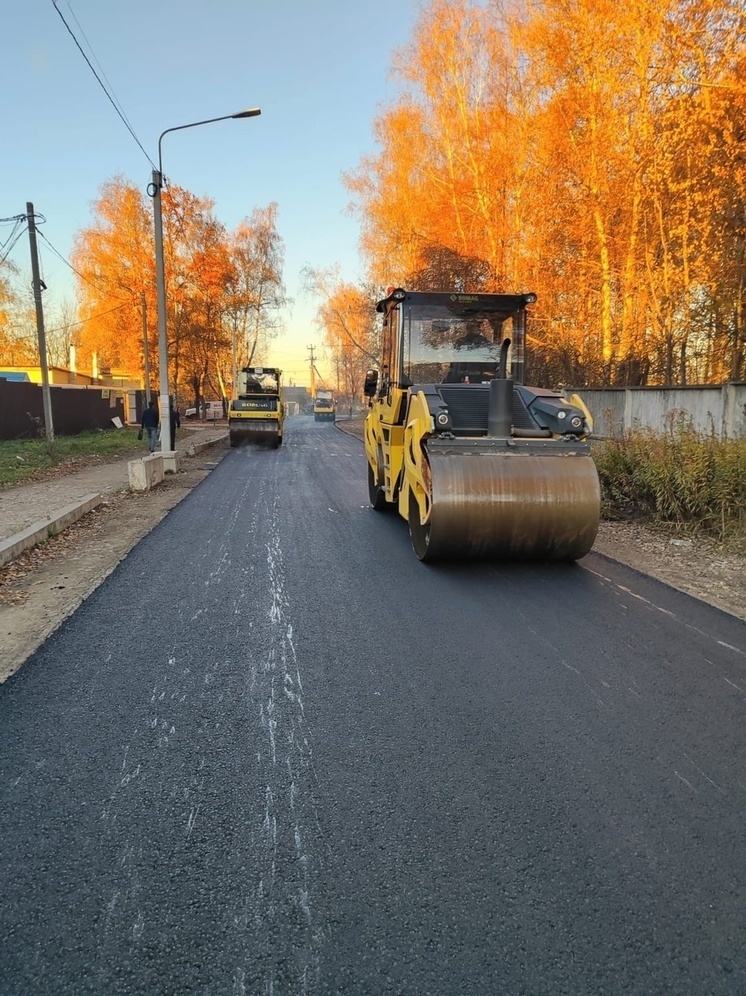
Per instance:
(502,505)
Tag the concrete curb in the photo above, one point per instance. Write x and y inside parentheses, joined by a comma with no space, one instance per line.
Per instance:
(196,447)
(146,472)
(37,533)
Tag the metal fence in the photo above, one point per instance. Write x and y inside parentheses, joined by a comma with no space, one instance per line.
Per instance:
(74,409)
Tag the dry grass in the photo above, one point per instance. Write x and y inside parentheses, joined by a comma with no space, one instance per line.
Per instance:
(679,476)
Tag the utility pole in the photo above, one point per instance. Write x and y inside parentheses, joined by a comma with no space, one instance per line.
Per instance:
(40,334)
(234,359)
(144,309)
(313,373)
(164,405)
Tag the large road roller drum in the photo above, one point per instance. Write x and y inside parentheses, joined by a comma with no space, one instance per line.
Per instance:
(501,504)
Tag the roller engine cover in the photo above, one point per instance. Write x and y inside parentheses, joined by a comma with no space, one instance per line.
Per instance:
(551,411)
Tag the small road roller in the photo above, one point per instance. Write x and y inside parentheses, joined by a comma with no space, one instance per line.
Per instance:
(480,465)
(257,413)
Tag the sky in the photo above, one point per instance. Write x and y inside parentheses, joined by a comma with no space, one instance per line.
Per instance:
(320,70)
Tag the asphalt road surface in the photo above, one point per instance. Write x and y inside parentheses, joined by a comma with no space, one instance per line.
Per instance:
(275,754)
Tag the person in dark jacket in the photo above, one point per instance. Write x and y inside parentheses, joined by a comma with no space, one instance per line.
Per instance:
(175,420)
(149,423)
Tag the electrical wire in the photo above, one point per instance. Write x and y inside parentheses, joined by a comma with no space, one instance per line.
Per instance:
(113,103)
(98,62)
(66,261)
(14,232)
(10,248)
(79,274)
(93,318)
(70,325)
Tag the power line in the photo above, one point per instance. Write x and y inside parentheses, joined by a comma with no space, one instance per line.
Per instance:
(121,115)
(97,60)
(18,227)
(10,248)
(13,232)
(66,261)
(70,325)
(83,321)
(82,276)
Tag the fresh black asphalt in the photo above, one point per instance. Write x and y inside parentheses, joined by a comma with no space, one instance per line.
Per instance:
(275,754)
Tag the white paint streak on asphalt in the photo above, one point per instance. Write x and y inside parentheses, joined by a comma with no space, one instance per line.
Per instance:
(280,902)
(725,677)
(596,574)
(671,615)
(239,987)
(685,781)
(703,773)
(192,819)
(729,646)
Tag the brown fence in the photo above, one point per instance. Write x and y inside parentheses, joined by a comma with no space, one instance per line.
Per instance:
(74,409)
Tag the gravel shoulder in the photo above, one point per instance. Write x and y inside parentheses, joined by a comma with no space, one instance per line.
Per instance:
(699,566)
(39,590)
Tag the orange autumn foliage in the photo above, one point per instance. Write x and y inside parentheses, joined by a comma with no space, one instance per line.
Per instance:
(350,327)
(587,151)
(212,287)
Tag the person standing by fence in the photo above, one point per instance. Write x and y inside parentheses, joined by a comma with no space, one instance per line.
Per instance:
(175,419)
(149,422)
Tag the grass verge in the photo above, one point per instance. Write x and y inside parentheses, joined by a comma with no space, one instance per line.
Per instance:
(34,459)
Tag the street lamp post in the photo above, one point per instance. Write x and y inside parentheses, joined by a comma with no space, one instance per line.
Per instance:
(145,353)
(154,190)
(234,357)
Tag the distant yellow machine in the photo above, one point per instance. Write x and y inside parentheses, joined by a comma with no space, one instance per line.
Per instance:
(479,465)
(324,407)
(257,414)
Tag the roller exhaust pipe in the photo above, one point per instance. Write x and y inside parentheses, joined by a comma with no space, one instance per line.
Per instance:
(500,411)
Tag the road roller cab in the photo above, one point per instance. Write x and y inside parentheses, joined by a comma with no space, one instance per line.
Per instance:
(480,465)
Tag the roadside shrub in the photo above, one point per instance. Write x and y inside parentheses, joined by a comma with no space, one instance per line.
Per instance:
(680,476)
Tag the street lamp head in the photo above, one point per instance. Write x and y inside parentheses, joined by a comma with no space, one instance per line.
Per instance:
(252,112)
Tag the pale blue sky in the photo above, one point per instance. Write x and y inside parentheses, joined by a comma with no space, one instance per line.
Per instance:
(320,71)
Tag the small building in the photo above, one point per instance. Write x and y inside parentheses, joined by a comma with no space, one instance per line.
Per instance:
(121,380)
(296,395)
(57,375)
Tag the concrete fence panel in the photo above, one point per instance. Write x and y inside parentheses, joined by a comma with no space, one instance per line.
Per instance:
(719,410)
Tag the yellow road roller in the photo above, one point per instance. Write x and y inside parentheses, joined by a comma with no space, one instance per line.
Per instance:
(257,413)
(480,465)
